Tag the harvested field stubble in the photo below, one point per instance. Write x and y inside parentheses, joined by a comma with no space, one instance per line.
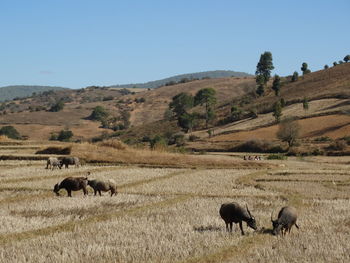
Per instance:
(171,215)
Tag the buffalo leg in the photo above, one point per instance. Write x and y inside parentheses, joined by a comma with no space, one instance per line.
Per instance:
(95,192)
(99,191)
(241,227)
(69,193)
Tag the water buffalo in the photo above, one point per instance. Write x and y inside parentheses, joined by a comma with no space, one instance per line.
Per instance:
(53,162)
(287,217)
(99,185)
(234,213)
(66,161)
(72,184)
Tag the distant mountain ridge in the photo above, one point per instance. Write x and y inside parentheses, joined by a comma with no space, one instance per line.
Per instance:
(20,91)
(199,75)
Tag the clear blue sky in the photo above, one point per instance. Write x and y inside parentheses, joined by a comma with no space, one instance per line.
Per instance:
(77,43)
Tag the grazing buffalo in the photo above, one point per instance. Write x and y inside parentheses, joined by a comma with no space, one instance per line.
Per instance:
(72,184)
(99,185)
(287,217)
(234,213)
(66,161)
(53,162)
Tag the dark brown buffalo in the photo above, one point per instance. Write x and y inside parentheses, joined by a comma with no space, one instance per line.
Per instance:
(72,184)
(234,213)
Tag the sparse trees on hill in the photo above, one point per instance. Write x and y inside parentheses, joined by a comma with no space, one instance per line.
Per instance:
(304,68)
(326,66)
(207,98)
(288,131)
(263,71)
(335,63)
(295,76)
(276,85)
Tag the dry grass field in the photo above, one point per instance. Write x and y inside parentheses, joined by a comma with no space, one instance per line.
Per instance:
(171,214)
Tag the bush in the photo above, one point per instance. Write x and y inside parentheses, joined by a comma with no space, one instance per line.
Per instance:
(277,156)
(98,114)
(10,132)
(65,135)
(158,142)
(58,106)
(347,139)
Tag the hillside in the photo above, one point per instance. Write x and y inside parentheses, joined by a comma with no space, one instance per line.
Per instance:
(20,91)
(185,77)
(328,92)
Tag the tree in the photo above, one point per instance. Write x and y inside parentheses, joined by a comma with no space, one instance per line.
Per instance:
(276,85)
(65,135)
(304,68)
(98,114)
(236,113)
(277,111)
(125,116)
(264,66)
(347,58)
(181,103)
(261,85)
(207,97)
(188,121)
(58,106)
(335,63)
(295,76)
(305,104)
(263,71)
(10,132)
(288,131)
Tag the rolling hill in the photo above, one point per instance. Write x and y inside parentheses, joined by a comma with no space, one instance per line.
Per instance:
(185,77)
(328,92)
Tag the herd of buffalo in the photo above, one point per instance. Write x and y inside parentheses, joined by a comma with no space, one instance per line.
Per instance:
(229,212)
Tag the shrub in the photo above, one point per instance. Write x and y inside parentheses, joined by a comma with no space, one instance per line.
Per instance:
(58,106)
(10,132)
(64,135)
(158,142)
(98,114)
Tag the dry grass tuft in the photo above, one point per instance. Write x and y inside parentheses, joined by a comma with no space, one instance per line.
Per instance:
(113,143)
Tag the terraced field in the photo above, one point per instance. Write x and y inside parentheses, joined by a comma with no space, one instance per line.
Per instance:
(171,214)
